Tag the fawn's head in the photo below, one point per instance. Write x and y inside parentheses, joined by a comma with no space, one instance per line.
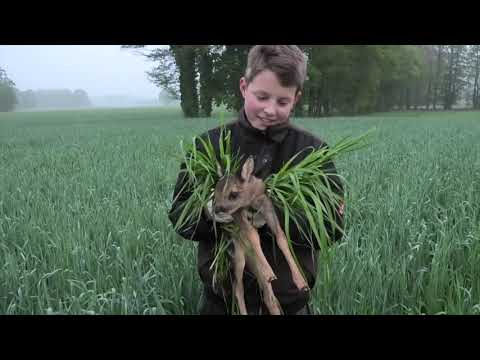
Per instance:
(235,192)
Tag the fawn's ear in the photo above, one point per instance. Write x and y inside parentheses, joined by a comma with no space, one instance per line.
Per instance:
(247,169)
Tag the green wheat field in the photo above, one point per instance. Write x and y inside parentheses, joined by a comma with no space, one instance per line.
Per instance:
(84,196)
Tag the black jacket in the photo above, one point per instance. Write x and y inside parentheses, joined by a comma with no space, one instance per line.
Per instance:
(271,149)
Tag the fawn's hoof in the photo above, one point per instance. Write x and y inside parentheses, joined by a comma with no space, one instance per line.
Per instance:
(300,283)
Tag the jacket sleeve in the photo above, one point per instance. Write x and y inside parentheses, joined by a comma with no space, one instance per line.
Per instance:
(333,232)
(199,231)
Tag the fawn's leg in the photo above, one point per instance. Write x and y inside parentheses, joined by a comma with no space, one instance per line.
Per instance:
(239,266)
(268,296)
(249,233)
(266,207)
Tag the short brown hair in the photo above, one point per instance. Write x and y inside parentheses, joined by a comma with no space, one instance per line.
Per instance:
(288,62)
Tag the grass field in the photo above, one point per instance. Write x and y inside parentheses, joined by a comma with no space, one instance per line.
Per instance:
(84,195)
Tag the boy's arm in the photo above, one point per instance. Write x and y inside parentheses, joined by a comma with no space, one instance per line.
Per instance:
(201,230)
(196,231)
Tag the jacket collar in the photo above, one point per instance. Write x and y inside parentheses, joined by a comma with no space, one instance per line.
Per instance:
(275,133)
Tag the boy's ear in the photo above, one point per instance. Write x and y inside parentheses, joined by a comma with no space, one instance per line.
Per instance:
(297,97)
(243,85)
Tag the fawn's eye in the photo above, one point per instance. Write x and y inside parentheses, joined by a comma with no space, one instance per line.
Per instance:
(233,196)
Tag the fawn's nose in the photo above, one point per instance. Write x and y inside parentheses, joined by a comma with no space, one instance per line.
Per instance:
(220,209)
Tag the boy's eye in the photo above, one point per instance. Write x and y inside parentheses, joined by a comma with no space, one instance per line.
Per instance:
(233,196)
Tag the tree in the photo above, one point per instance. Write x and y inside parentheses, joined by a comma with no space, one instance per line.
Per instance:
(328,87)
(408,73)
(166,73)
(185,59)
(428,75)
(365,78)
(8,97)
(455,74)
(81,98)
(474,73)
(208,56)
(392,81)
(176,73)
(230,67)
(440,66)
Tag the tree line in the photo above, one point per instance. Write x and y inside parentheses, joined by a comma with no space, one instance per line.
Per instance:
(342,79)
(11,98)
(52,98)
(7,92)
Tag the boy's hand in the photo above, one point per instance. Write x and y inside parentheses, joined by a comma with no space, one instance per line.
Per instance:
(209,213)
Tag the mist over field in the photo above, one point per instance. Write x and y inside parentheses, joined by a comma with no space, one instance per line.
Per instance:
(110,76)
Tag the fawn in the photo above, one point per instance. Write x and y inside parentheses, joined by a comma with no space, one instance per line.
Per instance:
(234,194)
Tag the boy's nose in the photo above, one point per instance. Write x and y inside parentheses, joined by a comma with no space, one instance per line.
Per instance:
(269,110)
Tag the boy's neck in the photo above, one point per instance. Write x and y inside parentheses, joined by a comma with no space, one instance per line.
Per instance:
(276,133)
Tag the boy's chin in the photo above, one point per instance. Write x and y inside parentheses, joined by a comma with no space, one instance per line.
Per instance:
(258,125)
(265,124)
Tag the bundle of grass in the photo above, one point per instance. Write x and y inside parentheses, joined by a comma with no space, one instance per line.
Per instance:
(202,174)
(303,191)
(300,189)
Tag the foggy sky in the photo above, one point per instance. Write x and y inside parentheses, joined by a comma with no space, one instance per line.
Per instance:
(101,70)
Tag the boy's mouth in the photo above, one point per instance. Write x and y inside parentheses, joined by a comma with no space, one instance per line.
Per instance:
(267,121)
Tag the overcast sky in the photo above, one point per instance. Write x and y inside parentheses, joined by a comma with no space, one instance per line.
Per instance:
(98,69)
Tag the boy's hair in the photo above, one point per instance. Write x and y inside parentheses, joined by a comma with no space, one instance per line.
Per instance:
(288,62)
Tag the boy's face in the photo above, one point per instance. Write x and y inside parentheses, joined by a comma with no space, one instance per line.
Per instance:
(267,102)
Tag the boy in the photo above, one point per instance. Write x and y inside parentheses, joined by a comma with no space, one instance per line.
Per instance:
(271,87)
